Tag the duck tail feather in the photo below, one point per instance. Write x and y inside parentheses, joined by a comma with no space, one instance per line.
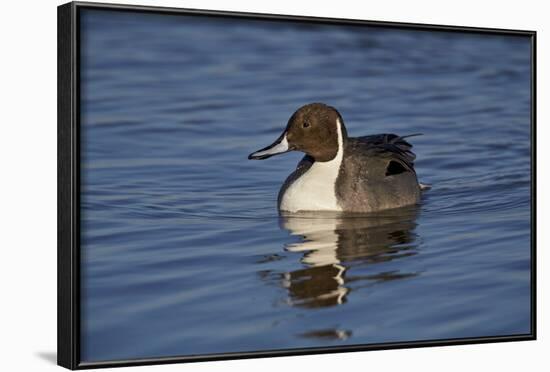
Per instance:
(424,186)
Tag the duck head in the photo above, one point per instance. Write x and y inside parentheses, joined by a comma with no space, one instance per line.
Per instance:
(315,129)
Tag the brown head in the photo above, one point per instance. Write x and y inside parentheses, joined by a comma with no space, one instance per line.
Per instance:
(312,129)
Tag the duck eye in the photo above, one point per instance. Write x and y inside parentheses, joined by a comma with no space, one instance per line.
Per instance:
(305,124)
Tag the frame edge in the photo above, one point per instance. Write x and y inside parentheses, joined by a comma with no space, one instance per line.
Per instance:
(534,311)
(66,277)
(300,18)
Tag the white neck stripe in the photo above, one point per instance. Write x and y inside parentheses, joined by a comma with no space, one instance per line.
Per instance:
(315,190)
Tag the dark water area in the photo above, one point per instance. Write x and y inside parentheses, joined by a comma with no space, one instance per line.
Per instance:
(183,251)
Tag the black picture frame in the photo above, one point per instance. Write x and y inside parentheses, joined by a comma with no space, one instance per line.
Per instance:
(68,327)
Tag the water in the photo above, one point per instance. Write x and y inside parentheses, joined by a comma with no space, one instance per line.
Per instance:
(183,252)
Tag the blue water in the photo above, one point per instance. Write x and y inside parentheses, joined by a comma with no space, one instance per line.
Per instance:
(183,252)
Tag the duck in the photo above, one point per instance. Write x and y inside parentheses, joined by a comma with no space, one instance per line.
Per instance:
(339,173)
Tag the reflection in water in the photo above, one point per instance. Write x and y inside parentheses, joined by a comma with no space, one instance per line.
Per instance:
(331,244)
(328,334)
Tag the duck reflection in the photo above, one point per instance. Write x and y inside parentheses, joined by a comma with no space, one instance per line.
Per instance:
(331,244)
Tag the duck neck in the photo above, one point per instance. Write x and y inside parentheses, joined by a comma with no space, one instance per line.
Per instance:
(336,151)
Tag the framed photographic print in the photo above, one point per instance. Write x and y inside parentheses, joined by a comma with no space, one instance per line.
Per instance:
(234,185)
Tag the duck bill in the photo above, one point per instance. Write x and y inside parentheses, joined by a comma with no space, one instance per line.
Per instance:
(280,146)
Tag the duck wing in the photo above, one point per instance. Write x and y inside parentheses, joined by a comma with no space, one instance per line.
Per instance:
(389,147)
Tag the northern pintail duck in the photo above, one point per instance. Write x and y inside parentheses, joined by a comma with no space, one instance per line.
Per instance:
(341,173)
